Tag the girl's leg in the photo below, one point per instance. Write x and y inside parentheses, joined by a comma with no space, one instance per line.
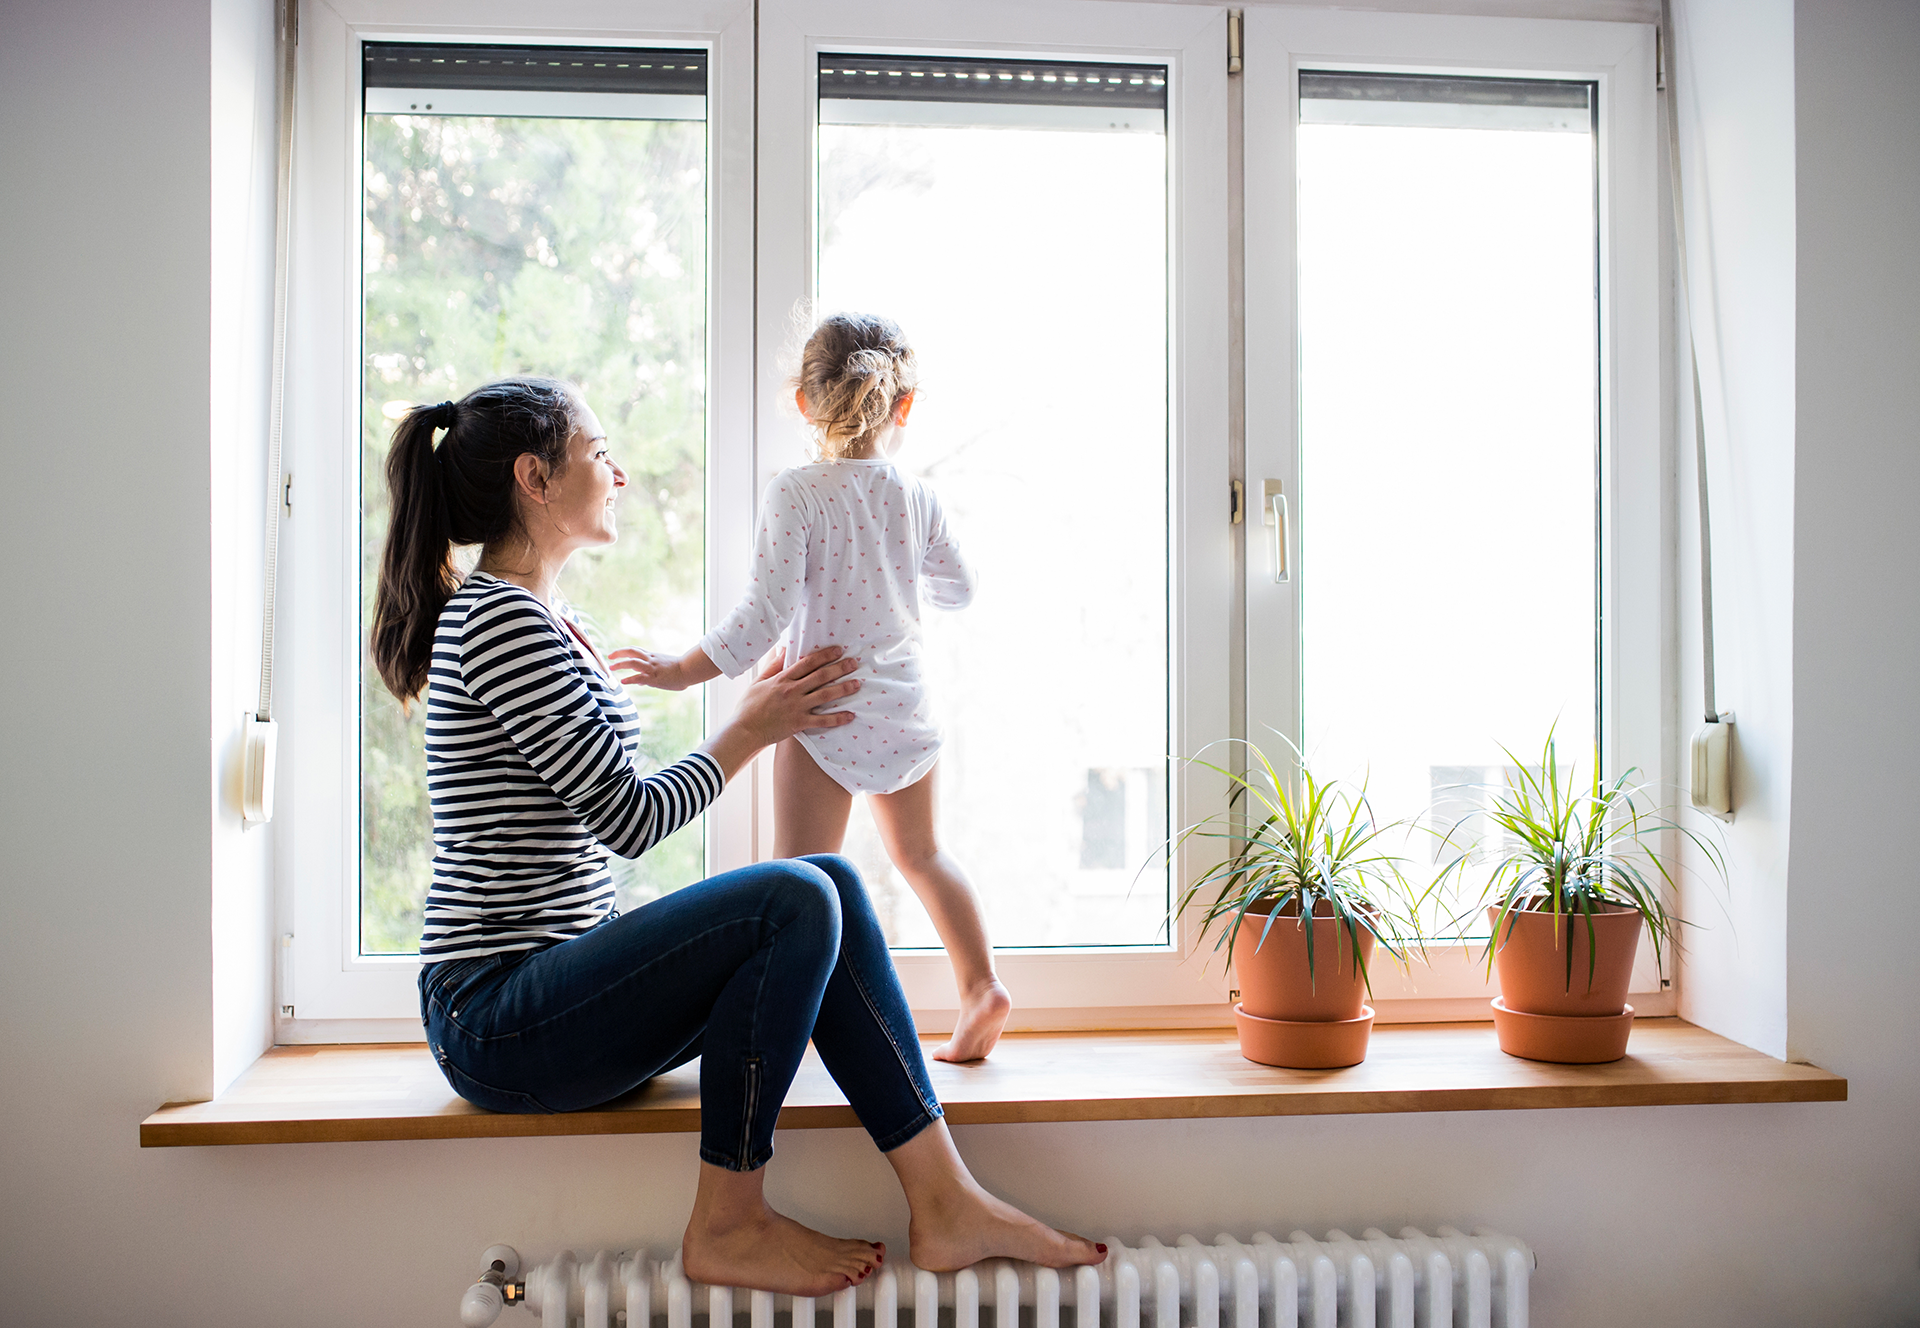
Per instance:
(865,1036)
(731,969)
(906,821)
(809,809)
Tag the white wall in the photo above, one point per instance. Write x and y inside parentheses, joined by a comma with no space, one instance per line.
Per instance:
(1734,76)
(244,114)
(113,860)
(1851,979)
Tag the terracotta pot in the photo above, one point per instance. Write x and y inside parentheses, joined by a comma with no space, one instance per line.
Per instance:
(1531,960)
(1273,972)
(1286,1018)
(1545,1014)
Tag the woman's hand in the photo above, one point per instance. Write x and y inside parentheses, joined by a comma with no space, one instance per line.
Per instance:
(784,701)
(669,673)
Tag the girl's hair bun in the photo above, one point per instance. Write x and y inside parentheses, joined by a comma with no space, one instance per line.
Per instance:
(854,369)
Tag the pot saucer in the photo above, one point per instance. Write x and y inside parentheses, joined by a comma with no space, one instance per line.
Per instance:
(1302,1044)
(1563,1039)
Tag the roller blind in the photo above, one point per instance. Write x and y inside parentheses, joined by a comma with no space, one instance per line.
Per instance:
(612,82)
(1446,101)
(951,90)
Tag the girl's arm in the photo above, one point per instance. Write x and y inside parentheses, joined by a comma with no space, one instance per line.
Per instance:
(946,579)
(773,597)
(670,673)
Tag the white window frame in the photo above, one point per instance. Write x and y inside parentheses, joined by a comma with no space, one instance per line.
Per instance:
(1056,988)
(761,251)
(1636,563)
(328,992)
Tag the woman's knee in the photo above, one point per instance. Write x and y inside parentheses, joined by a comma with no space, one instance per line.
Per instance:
(840,873)
(850,889)
(807,892)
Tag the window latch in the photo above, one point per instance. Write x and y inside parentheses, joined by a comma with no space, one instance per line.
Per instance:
(1274,513)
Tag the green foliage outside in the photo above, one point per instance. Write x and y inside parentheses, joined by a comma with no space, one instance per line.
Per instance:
(575,248)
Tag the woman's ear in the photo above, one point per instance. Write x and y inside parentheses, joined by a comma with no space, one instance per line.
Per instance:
(530,477)
(901,409)
(800,402)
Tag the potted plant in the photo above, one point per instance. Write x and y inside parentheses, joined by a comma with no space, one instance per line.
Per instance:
(1304,896)
(1578,878)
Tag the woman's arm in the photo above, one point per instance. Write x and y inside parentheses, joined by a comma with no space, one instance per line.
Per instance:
(514,660)
(782,702)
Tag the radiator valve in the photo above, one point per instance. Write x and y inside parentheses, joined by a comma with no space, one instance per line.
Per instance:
(495,1290)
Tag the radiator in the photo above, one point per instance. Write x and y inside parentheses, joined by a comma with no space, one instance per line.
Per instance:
(1446,1280)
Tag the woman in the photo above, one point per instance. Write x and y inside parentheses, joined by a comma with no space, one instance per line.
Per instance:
(536,995)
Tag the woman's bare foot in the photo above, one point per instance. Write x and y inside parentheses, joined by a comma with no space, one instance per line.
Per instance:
(983,1013)
(973,1226)
(956,1223)
(735,1239)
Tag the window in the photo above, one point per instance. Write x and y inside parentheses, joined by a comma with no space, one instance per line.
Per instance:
(1048,219)
(1446,515)
(1453,247)
(472,204)
(1009,228)
(537,209)
(1012,216)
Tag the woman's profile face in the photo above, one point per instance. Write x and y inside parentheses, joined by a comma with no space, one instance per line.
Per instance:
(580,499)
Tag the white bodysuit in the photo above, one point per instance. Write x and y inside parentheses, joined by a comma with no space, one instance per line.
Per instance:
(846,552)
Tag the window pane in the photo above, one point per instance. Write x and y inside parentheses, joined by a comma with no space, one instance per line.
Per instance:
(1449,375)
(1021,242)
(561,246)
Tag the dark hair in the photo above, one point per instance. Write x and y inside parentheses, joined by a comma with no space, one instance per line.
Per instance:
(460,492)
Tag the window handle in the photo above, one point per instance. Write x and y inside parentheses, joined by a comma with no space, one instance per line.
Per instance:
(1275,515)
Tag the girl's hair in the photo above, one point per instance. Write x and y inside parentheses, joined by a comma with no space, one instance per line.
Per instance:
(460,492)
(853,370)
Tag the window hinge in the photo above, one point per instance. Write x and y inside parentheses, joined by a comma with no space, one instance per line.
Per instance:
(286,494)
(1237,500)
(1233,40)
(1659,60)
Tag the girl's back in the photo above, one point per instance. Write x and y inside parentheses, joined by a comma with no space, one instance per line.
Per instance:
(846,552)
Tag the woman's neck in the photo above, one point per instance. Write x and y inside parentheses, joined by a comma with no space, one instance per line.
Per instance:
(525,566)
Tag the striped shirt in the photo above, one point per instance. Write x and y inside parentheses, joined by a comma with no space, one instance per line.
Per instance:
(530,770)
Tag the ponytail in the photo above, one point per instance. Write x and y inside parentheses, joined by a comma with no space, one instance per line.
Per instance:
(458,493)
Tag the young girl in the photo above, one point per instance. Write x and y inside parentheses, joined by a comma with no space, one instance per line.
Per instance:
(848,547)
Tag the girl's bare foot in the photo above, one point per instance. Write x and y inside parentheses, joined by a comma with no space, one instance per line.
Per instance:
(735,1239)
(983,1013)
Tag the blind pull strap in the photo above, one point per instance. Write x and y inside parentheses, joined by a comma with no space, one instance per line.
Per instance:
(260,744)
(1693,356)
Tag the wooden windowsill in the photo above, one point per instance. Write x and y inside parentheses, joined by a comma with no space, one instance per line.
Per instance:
(334,1094)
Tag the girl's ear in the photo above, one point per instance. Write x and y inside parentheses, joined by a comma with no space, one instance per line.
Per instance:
(901,409)
(800,400)
(530,477)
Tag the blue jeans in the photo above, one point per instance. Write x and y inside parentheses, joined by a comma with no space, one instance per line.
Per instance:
(739,970)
